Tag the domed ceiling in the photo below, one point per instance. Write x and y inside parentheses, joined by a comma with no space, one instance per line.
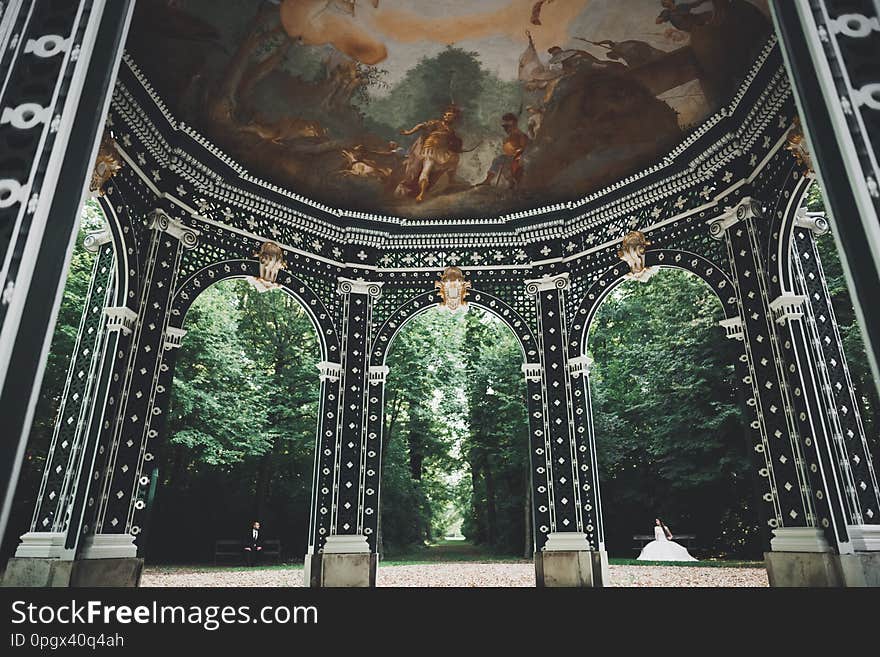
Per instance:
(445,108)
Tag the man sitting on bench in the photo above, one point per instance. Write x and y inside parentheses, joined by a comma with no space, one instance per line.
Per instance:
(253,544)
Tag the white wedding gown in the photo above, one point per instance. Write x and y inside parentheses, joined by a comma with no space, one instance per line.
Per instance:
(662,549)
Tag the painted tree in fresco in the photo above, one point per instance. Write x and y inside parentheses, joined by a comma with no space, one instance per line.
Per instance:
(453,75)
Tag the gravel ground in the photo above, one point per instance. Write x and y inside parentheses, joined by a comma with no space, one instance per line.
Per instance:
(460,574)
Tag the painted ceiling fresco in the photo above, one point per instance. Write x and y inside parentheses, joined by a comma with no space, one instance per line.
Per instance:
(445,108)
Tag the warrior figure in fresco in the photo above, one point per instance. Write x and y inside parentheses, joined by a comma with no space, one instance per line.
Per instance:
(509,163)
(435,152)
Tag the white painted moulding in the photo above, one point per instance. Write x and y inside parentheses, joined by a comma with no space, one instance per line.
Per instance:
(346,544)
(566,542)
(42,545)
(799,539)
(109,546)
(864,538)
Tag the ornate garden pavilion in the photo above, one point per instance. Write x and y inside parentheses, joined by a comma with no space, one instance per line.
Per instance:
(724,202)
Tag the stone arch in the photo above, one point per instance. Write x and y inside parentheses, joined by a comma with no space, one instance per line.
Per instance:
(195,284)
(714,276)
(427,300)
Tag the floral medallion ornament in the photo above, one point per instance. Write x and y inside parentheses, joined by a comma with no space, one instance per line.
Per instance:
(271,257)
(453,289)
(632,251)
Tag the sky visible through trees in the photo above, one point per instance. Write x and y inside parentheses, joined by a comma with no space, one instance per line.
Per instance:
(670,435)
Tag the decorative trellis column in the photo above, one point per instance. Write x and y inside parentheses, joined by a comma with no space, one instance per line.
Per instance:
(571,556)
(58,64)
(588,462)
(143,398)
(347,557)
(833,399)
(807,484)
(793,519)
(59,509)
(371,478)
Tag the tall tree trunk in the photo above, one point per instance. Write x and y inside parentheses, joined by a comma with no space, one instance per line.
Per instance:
(479,527)
(491,511)
(264,472)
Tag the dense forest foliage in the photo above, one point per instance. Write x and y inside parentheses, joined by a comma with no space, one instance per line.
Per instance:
(241,430)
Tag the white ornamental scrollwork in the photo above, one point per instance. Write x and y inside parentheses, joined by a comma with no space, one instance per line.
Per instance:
(11,192)
(47,45)
(25,116)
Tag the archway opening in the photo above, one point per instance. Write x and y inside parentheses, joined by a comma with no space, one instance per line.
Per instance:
(240,432)
(455,506)
(671,438)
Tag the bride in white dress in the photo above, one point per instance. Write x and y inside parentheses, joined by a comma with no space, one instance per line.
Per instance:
(662,548)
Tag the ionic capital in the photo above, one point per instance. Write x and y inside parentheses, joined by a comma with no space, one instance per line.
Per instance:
(556,282)
(812,221)
(351,286)
(94,241)
(161,221)
(747,208)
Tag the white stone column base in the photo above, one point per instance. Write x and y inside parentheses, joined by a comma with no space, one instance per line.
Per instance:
(44,545)
(799,539)
(346,544)
(864,538)
(109,546)
(566,542)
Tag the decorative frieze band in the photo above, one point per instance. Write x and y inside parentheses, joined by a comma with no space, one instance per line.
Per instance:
(733,328)
(161,221)
(378,374)
(174,337)
(328,371)
(557,282)
(532,371)
(579,365)
(350,286)
(787,307)
(120,318)
(747,208)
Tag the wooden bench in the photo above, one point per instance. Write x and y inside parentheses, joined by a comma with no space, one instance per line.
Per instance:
(233,549)
(643,539)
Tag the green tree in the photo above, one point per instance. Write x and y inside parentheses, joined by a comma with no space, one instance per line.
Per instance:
(670,435)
